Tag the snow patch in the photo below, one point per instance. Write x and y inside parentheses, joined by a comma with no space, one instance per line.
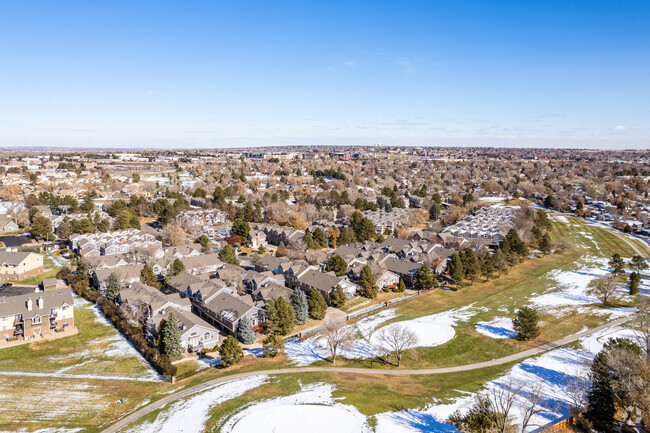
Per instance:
(313,406)
(499,327)
(191,414)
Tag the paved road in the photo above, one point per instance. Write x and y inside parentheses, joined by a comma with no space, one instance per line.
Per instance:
(122,423)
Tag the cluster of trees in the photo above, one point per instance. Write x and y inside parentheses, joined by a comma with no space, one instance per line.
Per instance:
(80,283)
(330,172)
(316,240)
(620,375)
(605,287)
(281,316)
(465,265)
(539,232)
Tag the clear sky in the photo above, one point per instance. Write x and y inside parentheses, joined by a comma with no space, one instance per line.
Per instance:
(227,73)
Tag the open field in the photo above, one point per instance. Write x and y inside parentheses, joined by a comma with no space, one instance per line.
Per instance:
(61,404)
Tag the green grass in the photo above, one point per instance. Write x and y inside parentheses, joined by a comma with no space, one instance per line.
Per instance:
(38,279)
(83,353)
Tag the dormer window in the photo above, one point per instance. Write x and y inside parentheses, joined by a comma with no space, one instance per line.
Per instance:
(36,320)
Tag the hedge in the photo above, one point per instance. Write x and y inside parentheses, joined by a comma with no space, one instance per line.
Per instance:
(79,283)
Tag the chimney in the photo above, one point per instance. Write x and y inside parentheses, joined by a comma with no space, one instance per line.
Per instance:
(29,304)
(39,302)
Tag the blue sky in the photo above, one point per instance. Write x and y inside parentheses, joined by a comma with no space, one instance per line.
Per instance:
(215,73)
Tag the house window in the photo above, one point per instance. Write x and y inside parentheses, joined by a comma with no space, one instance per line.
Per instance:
(37,320)
(207,336)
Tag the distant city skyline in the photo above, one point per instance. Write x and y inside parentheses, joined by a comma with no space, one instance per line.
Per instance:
(232,74)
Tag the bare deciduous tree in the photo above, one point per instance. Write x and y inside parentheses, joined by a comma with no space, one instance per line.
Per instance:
(502,398)
(314,257)
(531,406)
(605,287)
(337,336)
(577,387)
(174,235)
(395,341)
(641,325)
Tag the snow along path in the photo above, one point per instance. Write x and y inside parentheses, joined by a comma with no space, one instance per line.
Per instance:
(312,406)
(134,416)
(190,415)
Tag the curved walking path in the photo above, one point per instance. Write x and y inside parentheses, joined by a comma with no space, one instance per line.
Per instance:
(134,416)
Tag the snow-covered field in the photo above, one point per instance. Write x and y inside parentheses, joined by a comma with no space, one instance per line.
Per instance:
(571,291)
(314,406)
(190,415)
(552,371)
(499,327)
(432,330)
(312,409)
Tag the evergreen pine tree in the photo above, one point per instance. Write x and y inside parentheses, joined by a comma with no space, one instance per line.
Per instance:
(424,279)
(309,241)
(148,277)
(434,212)
(367,283)
(227,255)
(319,237)
(280,317)
(300,306)
(471,264)
(545,244)
(487,266)
(176,268)
(500,262)
(337,265)
(271,322)
(635,281)
(205,243)
(456,270)
(245,332)
(601,394)
(617,265)
(242,229)
(526,323)
(230,351)
(272,346)
(170,340)
(401,287)
(638,263)
(317,305)
(337,297)
(114,286)
(362,227)
(286,316)
(346,237)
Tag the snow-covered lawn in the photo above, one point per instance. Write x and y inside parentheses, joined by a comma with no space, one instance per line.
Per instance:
(571,291)
(190,415)
(432,330)
(499,327)
(552,371)
(312,409)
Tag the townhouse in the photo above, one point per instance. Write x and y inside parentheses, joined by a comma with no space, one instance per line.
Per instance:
(17,265)
(28,313)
